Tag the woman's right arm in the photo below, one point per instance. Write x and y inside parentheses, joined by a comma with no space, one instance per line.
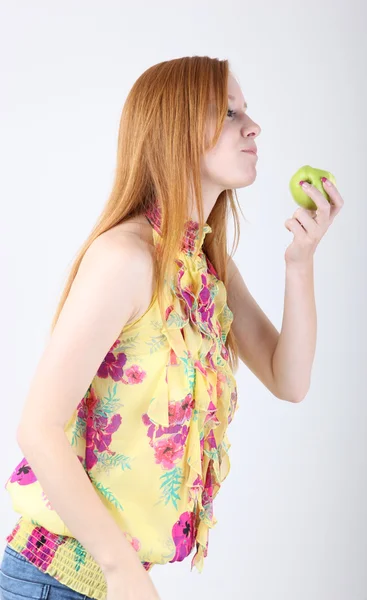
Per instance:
(103,297)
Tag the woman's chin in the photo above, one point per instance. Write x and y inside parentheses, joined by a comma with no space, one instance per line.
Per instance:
(245,181)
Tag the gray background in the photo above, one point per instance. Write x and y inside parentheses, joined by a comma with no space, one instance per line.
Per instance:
(292,512)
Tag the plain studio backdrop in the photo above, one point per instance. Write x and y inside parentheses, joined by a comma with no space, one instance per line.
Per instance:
(292,513)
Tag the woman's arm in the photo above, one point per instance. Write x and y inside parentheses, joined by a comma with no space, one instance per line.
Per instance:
(103,297)
(295,351)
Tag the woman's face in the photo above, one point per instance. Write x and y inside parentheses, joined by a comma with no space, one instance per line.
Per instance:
(226,166)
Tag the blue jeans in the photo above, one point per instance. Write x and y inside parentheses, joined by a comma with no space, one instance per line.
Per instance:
(21,580)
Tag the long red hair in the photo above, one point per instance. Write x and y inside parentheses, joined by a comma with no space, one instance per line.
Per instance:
(162,136)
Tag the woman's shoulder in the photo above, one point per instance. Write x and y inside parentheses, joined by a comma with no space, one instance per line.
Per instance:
(134,239)
(131,238)
(136,230)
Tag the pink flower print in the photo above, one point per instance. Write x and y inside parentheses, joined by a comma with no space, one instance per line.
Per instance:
(186,246)
(207,497)
(206,306)
(211,414)
(135,544)
(40,548)
(198,482)
(23,473)
(112,366)
(151,427)
(211,268)
(202,440)
(190,237)
(9,538)
(199,365)
(210,354)
(46,501)
(176,416)
(211,440)
(196,488)
(103,431)
(87,405)
(180,433)
(99,429)
(115,345)
(167,451)
(168,311)
(224,352)
(81,459)
(204,294)
(179,412)
(98,436)
(133,541)
(173,359)
(187,406)
(187,293)
(180,437)
(221,378)
(184,534)
(135,374)
(145,419)
(210,390)
(156,431)
(91,400)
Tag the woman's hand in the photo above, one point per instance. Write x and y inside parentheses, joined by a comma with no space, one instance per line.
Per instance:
(308,230)
(134,583)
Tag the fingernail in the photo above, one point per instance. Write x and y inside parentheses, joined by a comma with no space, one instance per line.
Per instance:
(326,181)
(304,184)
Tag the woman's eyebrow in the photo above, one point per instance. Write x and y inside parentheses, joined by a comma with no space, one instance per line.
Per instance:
(233,98)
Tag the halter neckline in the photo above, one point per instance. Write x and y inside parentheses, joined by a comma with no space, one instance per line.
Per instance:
(191,240)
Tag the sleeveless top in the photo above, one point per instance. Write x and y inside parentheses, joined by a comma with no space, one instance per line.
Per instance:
(150,432)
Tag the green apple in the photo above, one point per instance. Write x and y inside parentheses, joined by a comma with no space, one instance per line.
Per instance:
(313,176)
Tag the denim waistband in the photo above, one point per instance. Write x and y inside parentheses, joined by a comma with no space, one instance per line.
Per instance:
(15,565)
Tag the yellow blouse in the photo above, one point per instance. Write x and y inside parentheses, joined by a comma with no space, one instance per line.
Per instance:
(150,432)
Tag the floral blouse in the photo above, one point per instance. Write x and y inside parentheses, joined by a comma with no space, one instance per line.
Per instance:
(150,432)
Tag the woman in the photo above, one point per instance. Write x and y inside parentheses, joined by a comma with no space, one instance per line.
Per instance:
(124,427)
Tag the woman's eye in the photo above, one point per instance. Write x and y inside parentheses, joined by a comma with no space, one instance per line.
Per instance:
(230,113)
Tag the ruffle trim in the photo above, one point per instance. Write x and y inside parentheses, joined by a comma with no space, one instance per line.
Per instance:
(191,240)
(197,321)
(196,327)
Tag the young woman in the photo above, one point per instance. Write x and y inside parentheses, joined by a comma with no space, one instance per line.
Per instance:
(124,427)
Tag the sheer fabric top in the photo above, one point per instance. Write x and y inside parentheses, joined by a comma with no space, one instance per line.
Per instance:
(150,431)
